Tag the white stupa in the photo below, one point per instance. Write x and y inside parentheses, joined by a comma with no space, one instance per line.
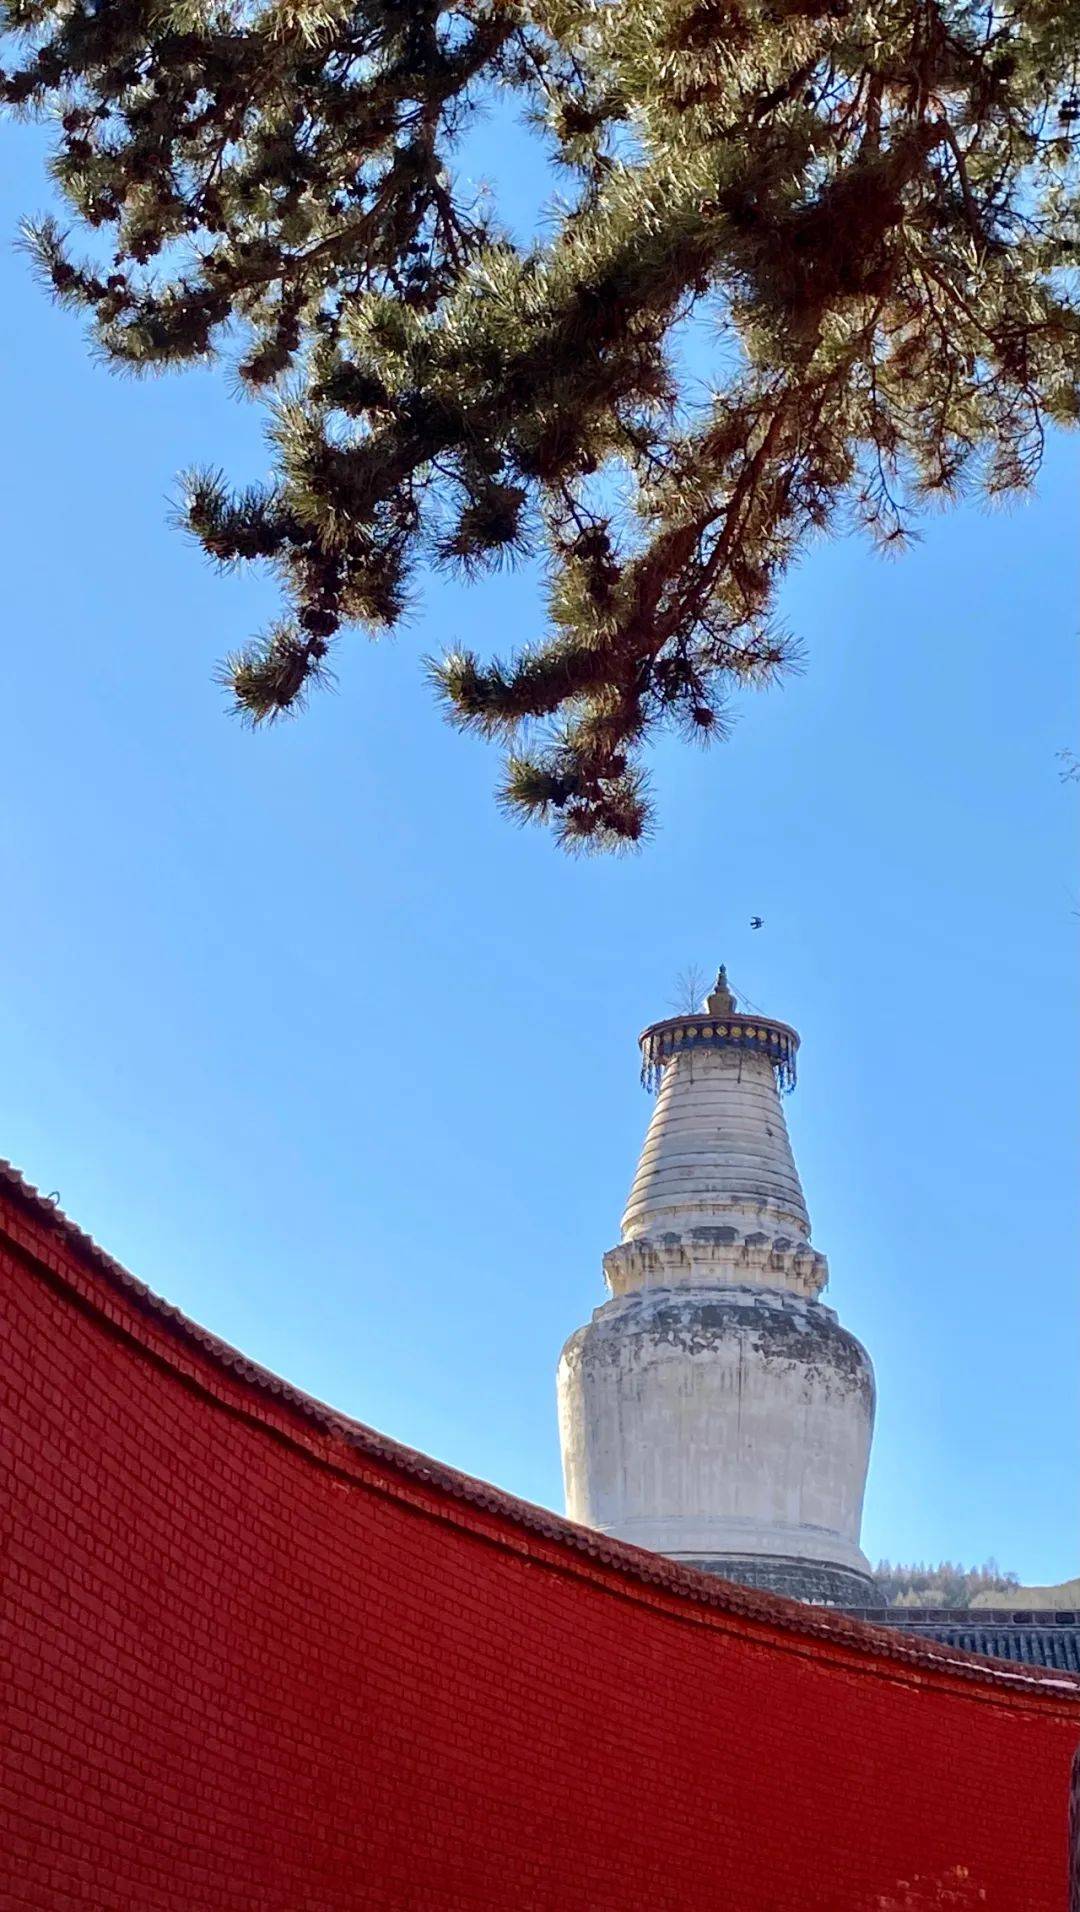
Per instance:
(714,1410)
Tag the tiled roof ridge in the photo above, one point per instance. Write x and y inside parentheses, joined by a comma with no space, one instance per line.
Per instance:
(974,1616)
(635,1563)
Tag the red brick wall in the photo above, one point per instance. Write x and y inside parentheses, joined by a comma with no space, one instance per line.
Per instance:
(259,1661)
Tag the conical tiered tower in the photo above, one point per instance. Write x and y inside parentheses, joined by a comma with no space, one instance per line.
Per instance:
(714,1410)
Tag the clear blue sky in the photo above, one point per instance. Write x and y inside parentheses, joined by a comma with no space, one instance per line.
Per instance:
(344,1064)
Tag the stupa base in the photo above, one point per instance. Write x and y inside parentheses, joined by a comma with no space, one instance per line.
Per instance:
(817,1582)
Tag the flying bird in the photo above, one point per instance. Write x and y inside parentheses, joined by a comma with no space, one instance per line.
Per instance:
(756,922)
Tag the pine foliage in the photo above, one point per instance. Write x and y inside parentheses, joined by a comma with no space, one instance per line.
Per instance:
(873,203)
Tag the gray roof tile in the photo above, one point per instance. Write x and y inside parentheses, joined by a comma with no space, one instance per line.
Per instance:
(1027,1636)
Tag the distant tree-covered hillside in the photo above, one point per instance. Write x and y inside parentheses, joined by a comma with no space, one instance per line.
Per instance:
(1066,1595)
(945,1585)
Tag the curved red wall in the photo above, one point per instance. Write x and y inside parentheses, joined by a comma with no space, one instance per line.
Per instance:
(261,1658)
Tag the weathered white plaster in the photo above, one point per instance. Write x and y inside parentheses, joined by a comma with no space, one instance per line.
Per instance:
(714,1407)
(712,1420)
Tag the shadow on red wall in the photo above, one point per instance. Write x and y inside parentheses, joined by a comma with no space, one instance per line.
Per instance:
(262,1657)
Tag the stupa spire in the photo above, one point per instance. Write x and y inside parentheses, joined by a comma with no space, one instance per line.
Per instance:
(717,1151)
(714,1409)
(720,1000)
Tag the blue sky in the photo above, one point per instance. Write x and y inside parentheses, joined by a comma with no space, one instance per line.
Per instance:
(344,1064)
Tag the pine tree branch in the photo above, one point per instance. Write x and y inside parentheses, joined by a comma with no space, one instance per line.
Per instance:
(884,207)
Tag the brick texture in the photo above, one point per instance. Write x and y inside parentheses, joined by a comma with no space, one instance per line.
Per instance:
(261,1658)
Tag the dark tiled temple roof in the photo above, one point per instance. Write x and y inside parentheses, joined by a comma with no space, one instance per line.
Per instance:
(1040,1636)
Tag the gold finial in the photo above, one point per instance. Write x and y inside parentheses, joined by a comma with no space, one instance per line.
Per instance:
(721,999)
